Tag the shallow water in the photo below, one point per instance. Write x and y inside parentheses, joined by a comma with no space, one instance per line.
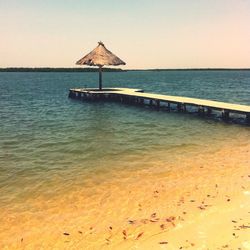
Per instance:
(57,154)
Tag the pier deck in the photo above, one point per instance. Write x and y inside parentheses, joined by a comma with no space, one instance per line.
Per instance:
(138,96)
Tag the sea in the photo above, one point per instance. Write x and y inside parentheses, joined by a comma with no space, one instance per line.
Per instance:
(58,154)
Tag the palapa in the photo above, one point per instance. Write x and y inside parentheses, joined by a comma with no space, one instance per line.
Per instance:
(100,56)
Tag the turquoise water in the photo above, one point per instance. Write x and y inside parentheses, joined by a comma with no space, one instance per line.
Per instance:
(49,143)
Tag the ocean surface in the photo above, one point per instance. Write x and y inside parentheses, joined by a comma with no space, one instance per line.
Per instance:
(51,145)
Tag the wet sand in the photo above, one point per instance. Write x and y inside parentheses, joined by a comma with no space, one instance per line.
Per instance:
(202,202)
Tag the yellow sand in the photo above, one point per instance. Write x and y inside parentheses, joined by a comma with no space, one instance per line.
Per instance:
(200,203)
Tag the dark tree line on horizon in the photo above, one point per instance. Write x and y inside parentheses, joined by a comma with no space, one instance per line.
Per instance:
(48,69)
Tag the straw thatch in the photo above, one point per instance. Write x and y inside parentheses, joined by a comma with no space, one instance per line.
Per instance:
(100,56)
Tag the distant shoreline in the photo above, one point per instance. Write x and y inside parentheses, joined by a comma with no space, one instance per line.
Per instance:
(47,69)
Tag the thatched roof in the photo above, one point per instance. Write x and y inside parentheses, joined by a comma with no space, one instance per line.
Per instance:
(100,56)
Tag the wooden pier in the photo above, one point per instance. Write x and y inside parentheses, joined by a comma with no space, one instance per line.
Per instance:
(181,104)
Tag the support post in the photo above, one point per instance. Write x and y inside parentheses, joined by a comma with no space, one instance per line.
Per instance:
(70,94)
(168,106)
(179,107)
(184,107)
(100,77)
(209,111)
(157,104)
(225,114)
(248,118)
(201,110)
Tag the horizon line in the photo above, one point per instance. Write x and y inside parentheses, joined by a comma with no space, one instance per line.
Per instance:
(79,69)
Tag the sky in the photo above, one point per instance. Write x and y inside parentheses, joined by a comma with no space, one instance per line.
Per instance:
(144,33)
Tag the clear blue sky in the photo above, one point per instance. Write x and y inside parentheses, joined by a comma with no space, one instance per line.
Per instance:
(144,33)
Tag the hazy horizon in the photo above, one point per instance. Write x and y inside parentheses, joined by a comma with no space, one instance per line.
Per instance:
(145,34)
